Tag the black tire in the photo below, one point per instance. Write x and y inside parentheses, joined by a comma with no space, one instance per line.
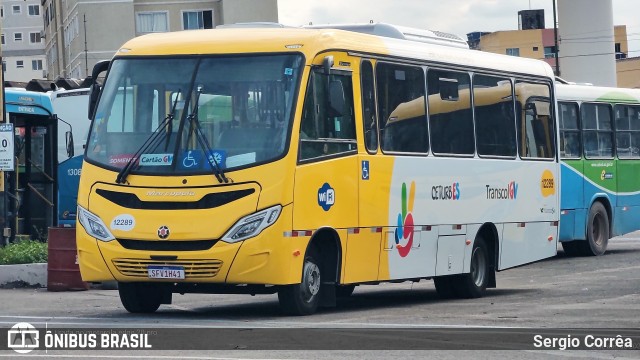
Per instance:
(140,297)
(597,231)
(303,298)
(444,286)
(344,291)
(573,248)
(474,284)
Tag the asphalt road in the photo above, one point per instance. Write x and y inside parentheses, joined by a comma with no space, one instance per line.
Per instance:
(558,293)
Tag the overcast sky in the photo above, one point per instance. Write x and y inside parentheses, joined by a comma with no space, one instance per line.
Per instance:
(455,16)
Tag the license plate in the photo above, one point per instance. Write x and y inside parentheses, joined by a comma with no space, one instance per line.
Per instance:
(165,272)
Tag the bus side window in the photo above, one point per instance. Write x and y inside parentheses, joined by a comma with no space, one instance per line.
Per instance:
(450,117)
(627,131)
(536,131)
(494,113)
(401,107)
(328,124)
(569,130)
(597,130)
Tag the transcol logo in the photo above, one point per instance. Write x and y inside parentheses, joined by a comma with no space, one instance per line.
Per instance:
(326,196)
(510,192)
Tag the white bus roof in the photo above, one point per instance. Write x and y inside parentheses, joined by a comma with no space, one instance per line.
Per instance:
(400,32)
(312,42)
(566,92)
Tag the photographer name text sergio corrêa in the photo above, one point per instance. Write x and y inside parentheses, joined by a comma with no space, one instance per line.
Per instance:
(583,342)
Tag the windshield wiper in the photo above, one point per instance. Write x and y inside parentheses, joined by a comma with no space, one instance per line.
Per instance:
(152,140)
(211,159)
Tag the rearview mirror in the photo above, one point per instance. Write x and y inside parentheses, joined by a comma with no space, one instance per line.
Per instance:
(95,89)
(69,144)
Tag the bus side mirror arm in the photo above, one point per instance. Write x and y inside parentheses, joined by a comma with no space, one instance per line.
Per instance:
(95,90)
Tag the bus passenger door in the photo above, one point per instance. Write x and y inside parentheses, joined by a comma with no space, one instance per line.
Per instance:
(627,207)
(572,203)
(34,181)
(326,184)
(374,179)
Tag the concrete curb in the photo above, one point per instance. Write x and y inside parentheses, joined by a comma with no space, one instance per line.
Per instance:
(25,274)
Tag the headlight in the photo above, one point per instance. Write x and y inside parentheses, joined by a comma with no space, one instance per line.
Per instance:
(252,225)
(94,225)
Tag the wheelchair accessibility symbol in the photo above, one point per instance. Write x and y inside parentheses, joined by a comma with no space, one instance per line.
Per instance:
(365,169)
(189,161)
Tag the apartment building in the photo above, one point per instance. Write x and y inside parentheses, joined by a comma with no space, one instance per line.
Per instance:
(539,43)
(79,33)
(23,50)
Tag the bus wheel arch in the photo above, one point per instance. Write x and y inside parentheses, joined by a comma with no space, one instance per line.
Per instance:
(489,233)
(320,274)
(482,265)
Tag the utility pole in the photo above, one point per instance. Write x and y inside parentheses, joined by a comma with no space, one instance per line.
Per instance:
(555,38)
(86,58)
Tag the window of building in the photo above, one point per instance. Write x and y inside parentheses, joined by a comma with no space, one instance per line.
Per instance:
(513,51)
(202,19)
(35,38)
(2,39)
(46,17)
(36,64)
(1,11)
(597,130)
(535,124)
(495,116)
(535,48)
(147,22)
(570,142)
(34,10)
(627,131)
(401,108)
(4,66)
(19,64)
(17,9)
(17,36)
(450,118)
(549,52)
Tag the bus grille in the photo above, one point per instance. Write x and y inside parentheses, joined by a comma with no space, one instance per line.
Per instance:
(192,268)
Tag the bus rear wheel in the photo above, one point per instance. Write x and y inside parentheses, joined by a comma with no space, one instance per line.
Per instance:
(470,285)
(303,298)
(597,231)
(474,284)
(140,297)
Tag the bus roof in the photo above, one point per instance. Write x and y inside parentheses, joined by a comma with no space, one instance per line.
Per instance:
(596,93)
(314,41)
(27,102)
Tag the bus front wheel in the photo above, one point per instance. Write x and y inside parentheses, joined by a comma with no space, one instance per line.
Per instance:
(303,298)
(140,297)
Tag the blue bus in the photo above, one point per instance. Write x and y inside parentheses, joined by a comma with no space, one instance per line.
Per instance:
(600,153)
(42,191)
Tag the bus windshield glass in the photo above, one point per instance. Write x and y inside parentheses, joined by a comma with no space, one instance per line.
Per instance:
(185,115)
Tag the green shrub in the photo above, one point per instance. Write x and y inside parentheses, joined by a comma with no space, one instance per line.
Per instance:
(23,252)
